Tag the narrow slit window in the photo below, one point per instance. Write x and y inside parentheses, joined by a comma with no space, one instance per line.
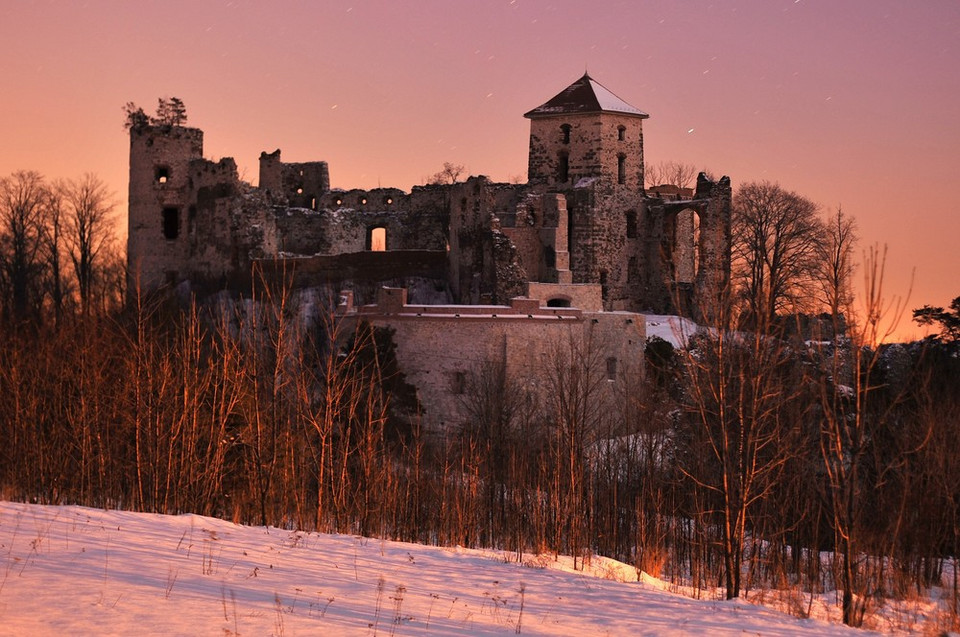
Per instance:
(565,130)
(563,168)
(621,169)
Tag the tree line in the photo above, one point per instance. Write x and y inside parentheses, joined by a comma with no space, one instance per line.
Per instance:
(752,459)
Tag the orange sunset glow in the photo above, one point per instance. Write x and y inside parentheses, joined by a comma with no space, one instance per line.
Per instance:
(850,104)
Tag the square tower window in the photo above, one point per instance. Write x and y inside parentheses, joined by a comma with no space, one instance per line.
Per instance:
(171,223)
(621,133)
(162,174)
(565,129)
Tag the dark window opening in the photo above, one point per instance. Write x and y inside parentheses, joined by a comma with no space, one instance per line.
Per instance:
(563,168)
(604,291)
(558,302)
(566,133)
(631,224)
(611,368)
(162,174)
(459,382)
(621,133)
(621,169)
(171,223)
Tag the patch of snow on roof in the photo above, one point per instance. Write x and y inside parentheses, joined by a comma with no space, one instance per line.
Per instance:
(610,102)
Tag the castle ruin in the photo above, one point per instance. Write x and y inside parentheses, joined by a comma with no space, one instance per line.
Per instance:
(583,233)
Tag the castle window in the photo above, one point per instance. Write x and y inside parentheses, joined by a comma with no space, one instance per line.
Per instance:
(162,174)
(565,129)
(339,201)
(621,169)
(563,168)
(621,133)
(611,368)
(631,224)
(299,191)
(363,202)
(377,239)
(389,200)
(313,203)
(171,223)
(604,290)
(558,302)
(459,384)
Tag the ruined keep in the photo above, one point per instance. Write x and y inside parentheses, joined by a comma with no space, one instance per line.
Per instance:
(583,231)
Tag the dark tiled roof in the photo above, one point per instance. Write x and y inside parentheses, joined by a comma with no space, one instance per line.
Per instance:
(586,95)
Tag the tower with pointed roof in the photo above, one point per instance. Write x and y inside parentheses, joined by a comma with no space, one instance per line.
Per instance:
(586,132)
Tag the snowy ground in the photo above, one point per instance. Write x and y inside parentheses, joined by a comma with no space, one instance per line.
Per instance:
(80,571)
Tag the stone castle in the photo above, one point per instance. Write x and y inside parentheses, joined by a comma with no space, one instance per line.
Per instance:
(582,244)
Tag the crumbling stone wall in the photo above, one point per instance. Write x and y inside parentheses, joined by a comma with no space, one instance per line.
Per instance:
(300,184)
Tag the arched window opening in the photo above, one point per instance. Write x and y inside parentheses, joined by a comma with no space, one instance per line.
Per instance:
(604,289)
(171,223)
(565,129)
(563,168)
(621,169)
(621,133)
(377,239)
(558,301)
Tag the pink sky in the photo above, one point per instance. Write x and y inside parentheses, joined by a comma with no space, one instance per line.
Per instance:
(851,103)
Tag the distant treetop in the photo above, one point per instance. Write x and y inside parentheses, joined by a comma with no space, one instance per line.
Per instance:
(170,112)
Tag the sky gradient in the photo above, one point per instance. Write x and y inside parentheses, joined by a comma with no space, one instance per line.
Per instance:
(851,103)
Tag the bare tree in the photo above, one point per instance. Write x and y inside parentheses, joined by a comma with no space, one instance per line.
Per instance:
(852,416)
(89,231)
(776,246)
(672,173)
(24,201)
(449,175)
(739,391)
(836,266)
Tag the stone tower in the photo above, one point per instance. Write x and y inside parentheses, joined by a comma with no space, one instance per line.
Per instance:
(586,132)
(160,202)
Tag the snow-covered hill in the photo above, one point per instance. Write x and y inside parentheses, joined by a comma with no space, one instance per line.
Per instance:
(80,571)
